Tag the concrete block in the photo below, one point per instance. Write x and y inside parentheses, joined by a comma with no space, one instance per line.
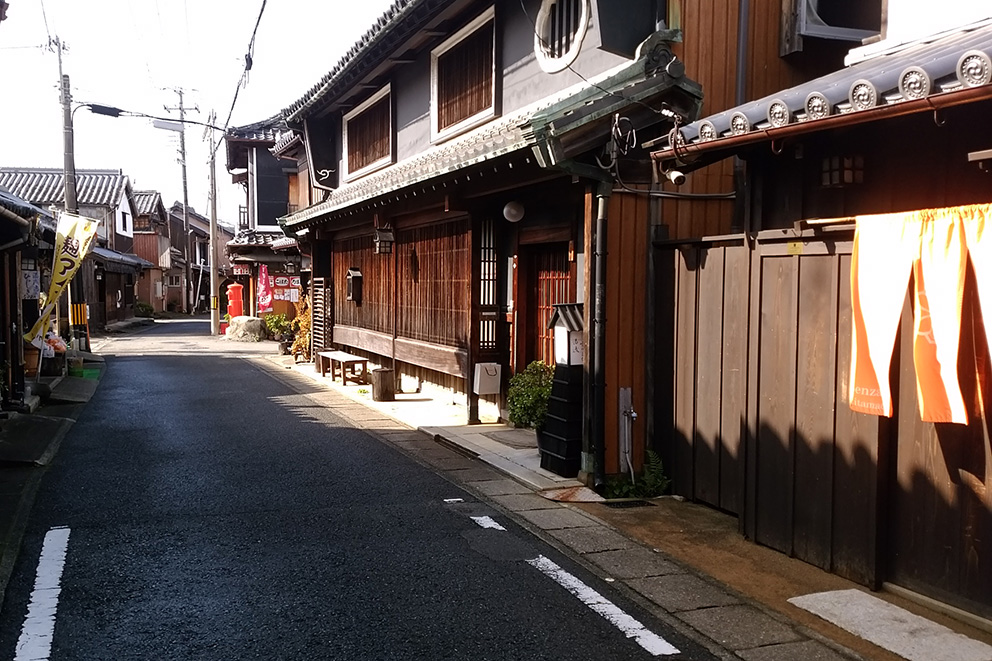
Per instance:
(558,518)
(807,650)
(593,539)
(637,562)
(740,627)
(682,592)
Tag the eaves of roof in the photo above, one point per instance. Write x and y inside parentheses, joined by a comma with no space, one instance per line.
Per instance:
(285,142)
(950,69)
(267,130)
(20,206)
(530,128)
(396,24)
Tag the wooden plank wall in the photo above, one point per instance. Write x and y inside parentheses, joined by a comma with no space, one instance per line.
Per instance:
(941,483)
(814,473)
(375,309)
(709,329)
(709,50)
(626,300)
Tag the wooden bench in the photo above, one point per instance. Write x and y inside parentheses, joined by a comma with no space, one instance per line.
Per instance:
(347,363)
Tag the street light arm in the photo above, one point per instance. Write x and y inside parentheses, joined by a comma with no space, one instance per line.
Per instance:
(111,111)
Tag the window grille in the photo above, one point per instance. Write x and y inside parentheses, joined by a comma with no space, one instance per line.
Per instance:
(465,78)
(368,136)
(487,286)
(463,75)
(561,26)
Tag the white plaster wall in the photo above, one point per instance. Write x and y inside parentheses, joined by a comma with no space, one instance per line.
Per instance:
(912,20)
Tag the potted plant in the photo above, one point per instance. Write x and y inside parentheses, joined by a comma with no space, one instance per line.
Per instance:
(527,398)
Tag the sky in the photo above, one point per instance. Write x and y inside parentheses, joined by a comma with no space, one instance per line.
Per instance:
(135,54)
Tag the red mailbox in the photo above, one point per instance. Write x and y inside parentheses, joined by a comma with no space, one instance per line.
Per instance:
(235,306)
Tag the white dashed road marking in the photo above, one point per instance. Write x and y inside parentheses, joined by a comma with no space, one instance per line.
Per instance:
(487,522)
(35,643)
(652,642)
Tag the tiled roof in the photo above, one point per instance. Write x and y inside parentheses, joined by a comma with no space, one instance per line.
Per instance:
(46,186)
(379,32)
(19,206)
(267,130)
(147,201)
(285,141)
(252,237)
(921,70)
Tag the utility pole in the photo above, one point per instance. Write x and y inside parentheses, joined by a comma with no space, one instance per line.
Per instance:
(188,285)
(214,261)
(78,323)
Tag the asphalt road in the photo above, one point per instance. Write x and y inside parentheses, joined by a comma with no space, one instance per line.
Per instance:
(206,510)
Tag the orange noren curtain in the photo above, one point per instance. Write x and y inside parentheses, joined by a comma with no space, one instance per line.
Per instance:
(935,244)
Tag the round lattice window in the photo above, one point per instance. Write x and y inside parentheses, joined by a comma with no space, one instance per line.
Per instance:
(561,26)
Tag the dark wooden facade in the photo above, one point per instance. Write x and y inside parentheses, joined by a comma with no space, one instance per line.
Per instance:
(465,283)
(755,419)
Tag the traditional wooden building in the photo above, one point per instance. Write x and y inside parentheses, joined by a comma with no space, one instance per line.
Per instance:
(152,243)
(473,164)
(272,185)
(111,270)
(757,309)
(188,285)
(27,242)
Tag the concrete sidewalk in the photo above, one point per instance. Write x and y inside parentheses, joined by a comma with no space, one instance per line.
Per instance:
(685,563)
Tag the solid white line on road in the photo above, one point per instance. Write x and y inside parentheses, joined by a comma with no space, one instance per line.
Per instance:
(453,500)
(487,522)
(653,643)
(892,628)
(35,643)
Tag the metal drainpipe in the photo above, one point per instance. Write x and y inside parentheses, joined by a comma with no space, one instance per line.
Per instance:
(740,91)
(599,339)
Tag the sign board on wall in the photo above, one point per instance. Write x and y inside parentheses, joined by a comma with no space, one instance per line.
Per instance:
(242,269)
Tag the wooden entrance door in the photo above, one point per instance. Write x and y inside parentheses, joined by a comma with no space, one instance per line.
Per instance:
(548,281)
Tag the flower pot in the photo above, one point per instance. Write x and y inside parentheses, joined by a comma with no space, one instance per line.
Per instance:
(31,356)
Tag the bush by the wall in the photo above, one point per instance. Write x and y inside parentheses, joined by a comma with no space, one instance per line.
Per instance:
(527,398)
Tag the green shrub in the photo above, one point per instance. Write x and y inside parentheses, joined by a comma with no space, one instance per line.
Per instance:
(652,482)
(142,309)
(528,395)
(277,324)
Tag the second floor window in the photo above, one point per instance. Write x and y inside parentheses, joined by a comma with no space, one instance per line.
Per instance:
(463,73)
(368,135)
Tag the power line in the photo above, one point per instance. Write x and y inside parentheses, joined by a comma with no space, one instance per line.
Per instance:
(44,16)
(244,74)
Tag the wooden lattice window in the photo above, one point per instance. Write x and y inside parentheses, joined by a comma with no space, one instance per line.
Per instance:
(434,273)
(487,285)
(553,287)
(464,78)
(368,135)
(561,26)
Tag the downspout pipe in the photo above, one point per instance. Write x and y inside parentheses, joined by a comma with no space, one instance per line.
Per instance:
(740,94)
(598,366)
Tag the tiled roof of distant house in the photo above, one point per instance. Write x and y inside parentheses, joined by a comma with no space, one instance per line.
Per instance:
(45,186)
